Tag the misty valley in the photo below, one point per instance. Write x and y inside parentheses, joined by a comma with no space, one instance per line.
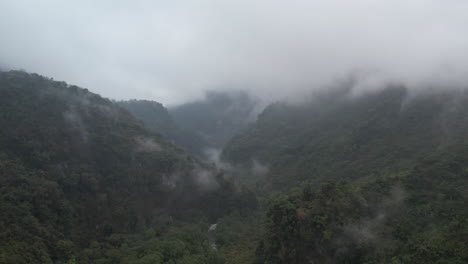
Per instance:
(380,177)
(234,132)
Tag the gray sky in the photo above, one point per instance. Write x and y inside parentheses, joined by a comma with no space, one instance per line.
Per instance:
(173,51)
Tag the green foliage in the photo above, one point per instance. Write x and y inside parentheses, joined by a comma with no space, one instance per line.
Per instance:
(167,243)
(76,168)
(83,181)
(72,260)
(335,136)
(236,236)
(418,216)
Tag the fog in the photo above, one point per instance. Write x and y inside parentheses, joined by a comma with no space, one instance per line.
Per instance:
(174,51)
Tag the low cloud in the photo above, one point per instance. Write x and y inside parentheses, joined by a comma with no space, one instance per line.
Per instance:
(254,169)
(214,156)
(205,179)
(174,51)
(368,230)
(146,144)
(259,169)
(73,118)
(171,180)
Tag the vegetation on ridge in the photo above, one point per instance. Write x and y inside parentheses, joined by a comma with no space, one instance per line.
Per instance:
(76,169)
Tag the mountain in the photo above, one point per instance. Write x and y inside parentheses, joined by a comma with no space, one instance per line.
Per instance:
(157,118)
(84,181)
(197,126)
(339,136)
(217,117)
(379,177)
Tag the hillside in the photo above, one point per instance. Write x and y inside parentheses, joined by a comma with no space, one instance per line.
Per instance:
(198,126)
(375,178)
(335,136)
(80,177)
(234,132)
(157,118)
(216,118)
(378,178)
(416,216)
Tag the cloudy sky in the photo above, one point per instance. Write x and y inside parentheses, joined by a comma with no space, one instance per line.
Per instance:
(173,51)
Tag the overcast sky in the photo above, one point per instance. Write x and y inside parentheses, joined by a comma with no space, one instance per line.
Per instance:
(173,51)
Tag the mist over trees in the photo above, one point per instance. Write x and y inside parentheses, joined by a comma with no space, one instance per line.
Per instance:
(81,177)
(217,117)
(198,126)
(234,132)
(338,178)
(339,136)
(157,118)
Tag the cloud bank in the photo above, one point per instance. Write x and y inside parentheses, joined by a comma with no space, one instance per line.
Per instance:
(173,51)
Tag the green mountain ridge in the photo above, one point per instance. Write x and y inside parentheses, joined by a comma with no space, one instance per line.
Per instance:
(378,178)
(198,126)
(77,170)
(156,117)
(417,215)
(337,137)
(217,117)
(375,178)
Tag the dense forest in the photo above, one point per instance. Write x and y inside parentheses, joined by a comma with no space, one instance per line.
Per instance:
(417,215)
(375,178)
(378,178)
(336,136)
(83,180)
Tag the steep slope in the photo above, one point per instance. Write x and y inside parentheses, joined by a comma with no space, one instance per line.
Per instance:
(156,117)
(336,136)
(76,170)
(414,216)
(379,178)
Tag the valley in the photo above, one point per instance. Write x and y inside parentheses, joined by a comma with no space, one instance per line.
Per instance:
(377,178)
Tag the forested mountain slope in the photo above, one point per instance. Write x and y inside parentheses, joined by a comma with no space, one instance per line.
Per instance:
(377,178)
(418,215)
(338,136)
(216,118)
(80,177)
(198,126)
(157,118)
